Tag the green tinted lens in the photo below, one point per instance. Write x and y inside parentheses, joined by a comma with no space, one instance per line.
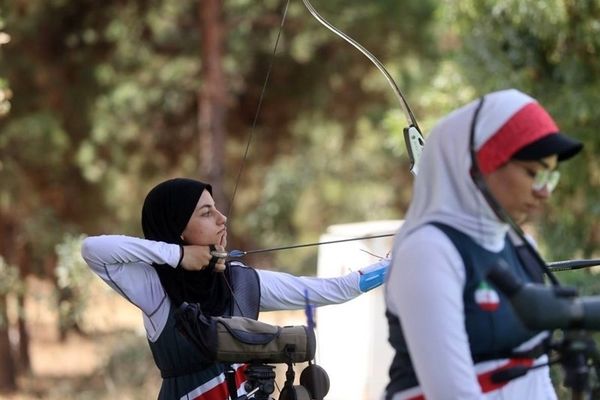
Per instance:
(553,180)
(546,179)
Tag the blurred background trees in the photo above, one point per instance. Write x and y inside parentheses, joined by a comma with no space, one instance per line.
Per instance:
(99,101)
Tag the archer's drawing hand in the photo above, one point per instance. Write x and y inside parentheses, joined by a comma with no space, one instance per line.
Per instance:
(195,258)
(219,263)
(373,275)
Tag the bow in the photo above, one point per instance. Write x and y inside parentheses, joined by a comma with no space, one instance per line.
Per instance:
(412,133)
(413,137)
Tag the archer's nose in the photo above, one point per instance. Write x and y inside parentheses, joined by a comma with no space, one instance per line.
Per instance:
(222,218)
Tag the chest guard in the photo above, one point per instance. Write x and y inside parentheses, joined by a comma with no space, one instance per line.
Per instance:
(245,284)
(177,357)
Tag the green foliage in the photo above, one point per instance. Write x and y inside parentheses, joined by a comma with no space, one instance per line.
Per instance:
(111,107)
(10,282)
(29,137)
(73,280)
(71,271)
(336,180)
(143,122)
(551,50)
(5,93)
(332,160)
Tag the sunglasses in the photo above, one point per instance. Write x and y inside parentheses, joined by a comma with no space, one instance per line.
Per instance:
(545,179)
(542,179)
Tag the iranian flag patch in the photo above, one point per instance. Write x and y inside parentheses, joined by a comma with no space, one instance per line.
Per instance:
(486,297)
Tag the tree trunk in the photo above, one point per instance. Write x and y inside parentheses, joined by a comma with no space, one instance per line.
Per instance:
(24,357)
(212,99)
(8,373)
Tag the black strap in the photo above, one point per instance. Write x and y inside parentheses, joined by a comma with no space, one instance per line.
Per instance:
(213,260)
(529,263)
(231,383)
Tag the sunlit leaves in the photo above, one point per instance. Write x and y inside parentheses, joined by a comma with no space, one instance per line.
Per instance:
(551,50)
(73,277)
(24,140)
(336,179)
(5,92)
(9,279)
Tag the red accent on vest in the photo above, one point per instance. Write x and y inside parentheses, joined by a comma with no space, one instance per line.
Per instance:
(485,378)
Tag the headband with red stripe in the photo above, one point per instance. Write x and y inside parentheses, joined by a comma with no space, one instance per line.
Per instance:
(529,124)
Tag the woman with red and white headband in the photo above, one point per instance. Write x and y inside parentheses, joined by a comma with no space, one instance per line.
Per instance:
(489,162)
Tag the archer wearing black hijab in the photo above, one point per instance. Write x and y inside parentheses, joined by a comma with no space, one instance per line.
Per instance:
(172,265)
(165,214)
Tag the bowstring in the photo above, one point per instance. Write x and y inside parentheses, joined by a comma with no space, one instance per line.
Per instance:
(258,109)
(251,134)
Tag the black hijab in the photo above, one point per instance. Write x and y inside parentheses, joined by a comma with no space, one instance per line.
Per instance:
(166,212)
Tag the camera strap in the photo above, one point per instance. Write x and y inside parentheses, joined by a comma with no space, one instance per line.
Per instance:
(529,262)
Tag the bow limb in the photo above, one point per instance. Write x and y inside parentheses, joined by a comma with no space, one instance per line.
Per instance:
(412,134)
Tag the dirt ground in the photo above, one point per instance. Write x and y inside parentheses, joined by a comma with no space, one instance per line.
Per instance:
(110,361)
(72,369)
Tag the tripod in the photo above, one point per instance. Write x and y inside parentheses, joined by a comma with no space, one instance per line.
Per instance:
(578,354)
(260,382)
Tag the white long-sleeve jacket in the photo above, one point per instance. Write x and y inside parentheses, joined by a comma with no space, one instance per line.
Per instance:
(125,264)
